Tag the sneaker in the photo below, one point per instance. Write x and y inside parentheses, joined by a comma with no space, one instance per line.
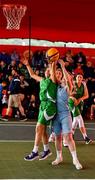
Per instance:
(77,164)
(57,161)
(31,156)
(91,117)
(65,145)
(87,140)
(45,154)
(5,118)
(23,118)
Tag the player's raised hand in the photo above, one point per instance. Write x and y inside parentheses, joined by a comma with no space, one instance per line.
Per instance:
(61,62)
(25,61)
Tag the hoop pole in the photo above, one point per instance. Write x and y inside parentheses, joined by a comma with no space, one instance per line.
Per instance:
(30,35)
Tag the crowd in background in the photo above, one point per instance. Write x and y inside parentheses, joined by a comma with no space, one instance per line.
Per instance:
(29,88)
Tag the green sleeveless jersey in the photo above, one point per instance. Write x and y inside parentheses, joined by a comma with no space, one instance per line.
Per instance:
(78,91)
(47,90)
(47,110)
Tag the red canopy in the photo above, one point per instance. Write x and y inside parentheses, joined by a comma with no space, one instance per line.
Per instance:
(54,20)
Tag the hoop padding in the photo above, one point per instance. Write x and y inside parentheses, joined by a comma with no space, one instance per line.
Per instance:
(14,15)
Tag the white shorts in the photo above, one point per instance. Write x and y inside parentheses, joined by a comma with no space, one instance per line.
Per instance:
(77,121)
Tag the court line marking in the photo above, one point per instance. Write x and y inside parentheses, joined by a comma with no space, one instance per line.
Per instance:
(92,129)
(90,123)
(13,141)
(33,125)
(29,141)
(30,125)
(18,125)
(45,179)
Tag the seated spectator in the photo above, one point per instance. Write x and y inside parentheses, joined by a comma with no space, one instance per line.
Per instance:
(21,68)
(44,59)
(68,59)
(36,59)
(5,56)
(9,79)
(12,66)
(32,108)
(3,94)
(23,84)
(4,98)
(78,69)
(89,75)
(88,70)
(3,70)
(15,56)
(79,58)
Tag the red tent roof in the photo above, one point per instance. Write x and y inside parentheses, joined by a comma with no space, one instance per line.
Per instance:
(62,20)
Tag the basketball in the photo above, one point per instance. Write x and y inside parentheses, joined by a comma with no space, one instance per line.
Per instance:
(52,55)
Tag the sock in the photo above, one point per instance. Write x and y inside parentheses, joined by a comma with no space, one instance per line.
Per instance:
(73,131)
(74,155)
(59,154)
(46,147)
(84,135)
(35,149)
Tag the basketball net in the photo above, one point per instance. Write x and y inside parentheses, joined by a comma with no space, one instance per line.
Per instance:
(14,15)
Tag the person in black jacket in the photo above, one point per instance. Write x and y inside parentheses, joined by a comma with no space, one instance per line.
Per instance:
(14,95)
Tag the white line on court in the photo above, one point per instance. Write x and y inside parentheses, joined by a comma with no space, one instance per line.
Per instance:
(19,125)
(30,125)
(29,141)
(91,129)
(14,141)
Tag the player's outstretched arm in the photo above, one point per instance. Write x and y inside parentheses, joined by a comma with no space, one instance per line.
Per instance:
(31,72)
(52,67)
(67,76)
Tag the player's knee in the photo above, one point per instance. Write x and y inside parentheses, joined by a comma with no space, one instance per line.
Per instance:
(40,129)
(58,137)
(68,138)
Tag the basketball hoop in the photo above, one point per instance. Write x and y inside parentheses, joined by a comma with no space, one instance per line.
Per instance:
(14,14)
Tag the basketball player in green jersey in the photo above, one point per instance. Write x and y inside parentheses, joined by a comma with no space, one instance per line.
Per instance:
(79,94)
(47,109)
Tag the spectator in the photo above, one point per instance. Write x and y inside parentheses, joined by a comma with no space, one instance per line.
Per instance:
(15,56)
(3,87)
(92,110)
(4,56)
(79,58)
(14,95)
(89,76)
(69,62)
(12,66)
(32,108)
(21,68)
(23,84)
(3,70)
(78,69)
